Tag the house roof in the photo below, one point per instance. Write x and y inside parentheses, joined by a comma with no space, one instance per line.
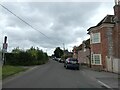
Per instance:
(87,45)
(107,19)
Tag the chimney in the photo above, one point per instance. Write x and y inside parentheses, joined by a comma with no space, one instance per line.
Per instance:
(118,2)
(117,11)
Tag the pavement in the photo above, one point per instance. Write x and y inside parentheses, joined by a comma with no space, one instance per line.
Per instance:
(107,79)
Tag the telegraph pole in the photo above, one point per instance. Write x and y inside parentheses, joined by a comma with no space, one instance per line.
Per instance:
(64,50)
(63,46)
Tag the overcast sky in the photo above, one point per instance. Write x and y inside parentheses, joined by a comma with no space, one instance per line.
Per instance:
(61,22)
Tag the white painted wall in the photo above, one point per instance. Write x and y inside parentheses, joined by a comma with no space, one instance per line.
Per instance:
(113,65)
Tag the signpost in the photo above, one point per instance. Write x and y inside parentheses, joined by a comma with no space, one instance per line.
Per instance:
(4,50)
(5,47)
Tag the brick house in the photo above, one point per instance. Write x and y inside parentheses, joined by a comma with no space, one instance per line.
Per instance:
(104,40)
(82,52)
(83,56)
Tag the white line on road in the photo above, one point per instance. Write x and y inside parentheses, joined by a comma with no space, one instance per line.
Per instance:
(104,84)
(93,78)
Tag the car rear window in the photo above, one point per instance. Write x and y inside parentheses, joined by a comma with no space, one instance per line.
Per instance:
(73,60)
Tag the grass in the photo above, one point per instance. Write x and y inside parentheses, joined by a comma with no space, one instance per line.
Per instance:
(0,72)
(8,70)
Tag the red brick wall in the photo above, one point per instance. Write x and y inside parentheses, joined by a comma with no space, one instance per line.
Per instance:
(97,67)
(116,41)
(104,45)
(116,32)
(83,56)
(117,11)
(96,48)
(101,48)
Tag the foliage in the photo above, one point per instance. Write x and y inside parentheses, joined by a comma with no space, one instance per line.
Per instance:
(16,50)
(80,47)
(58,52)
(67,54)
(64,57)
(31,56)
(87,43)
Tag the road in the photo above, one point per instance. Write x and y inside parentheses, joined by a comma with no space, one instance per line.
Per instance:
(51,75)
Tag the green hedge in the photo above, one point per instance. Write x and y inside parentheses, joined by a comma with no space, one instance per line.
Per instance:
(31,56)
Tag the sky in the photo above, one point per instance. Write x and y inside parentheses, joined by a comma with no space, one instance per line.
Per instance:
(60,22)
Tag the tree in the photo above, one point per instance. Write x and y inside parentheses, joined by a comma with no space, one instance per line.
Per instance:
(87,43)
(33,52)
(80,47)
(31,56)
(58,52)
(16,50)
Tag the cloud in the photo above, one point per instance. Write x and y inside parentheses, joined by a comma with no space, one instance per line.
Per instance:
(61,22)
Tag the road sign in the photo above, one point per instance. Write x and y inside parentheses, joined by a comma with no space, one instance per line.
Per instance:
(5,47)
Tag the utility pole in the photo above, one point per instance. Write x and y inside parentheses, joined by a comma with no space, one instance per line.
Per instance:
(64,50)
(63,46)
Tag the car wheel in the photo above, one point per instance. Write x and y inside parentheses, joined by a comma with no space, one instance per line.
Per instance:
(78,68)
(66,67)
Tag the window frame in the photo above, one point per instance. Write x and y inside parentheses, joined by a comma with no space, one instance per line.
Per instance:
(93,59)
(95,35)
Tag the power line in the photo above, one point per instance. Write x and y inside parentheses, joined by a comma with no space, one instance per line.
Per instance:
(27,23)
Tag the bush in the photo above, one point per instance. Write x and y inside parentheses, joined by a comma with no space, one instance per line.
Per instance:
(30,57)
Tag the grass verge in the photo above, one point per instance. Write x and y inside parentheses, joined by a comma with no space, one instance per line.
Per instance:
(0,72)
(8,70)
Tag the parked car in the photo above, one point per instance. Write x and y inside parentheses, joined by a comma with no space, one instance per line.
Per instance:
(71,63)
(61,61)
(54,58)
(58,59)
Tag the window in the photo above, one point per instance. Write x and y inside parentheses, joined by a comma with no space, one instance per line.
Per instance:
(92,58)
(96,59)
(95,38)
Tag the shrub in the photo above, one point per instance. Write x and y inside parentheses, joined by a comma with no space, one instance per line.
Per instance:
(31,56)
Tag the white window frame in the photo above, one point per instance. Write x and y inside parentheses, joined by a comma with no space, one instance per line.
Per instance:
(93,59)
(93,35)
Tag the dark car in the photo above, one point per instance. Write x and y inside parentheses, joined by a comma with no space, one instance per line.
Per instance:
(61,60)
(54,58)
(71,63)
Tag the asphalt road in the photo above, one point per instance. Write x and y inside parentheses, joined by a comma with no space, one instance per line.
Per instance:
(51,75)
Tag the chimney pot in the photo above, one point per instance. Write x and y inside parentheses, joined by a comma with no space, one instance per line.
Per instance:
(119,2)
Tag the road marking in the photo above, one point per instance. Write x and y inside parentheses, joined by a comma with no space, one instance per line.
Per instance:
(104,84)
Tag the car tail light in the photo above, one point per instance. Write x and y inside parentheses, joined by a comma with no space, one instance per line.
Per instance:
(68,62)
